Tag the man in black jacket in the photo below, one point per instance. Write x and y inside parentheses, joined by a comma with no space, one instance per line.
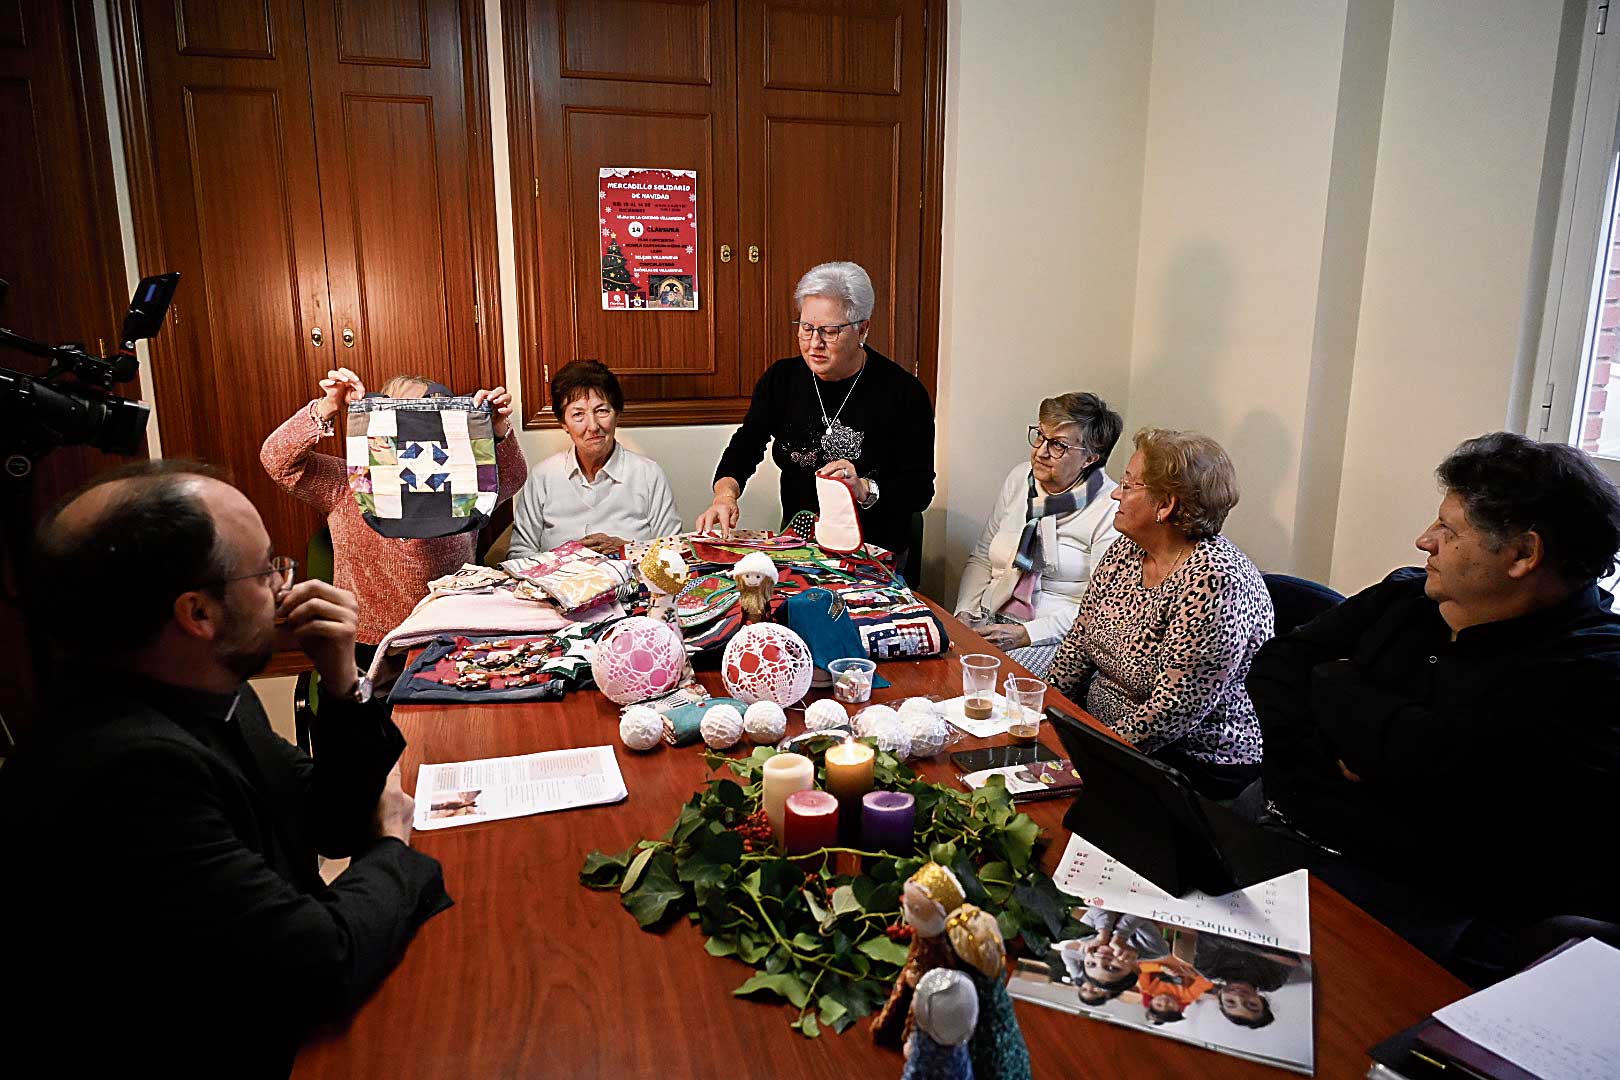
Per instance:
(162,905)
(1455,734)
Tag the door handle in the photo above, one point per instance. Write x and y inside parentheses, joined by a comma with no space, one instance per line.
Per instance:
(316,336)
(725,252)
(753,253)
(348,338)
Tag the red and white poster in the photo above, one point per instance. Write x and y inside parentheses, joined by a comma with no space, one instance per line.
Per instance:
(649,239)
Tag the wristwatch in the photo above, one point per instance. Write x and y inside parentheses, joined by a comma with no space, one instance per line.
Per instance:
(360,694)
(871,495)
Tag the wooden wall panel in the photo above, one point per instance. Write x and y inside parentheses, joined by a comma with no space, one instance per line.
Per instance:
(399,145)
(636,344)
(210,28)
(808,223)
(398,230)
(839,173)
(227,193)
(383,32)
(854,48)
(247,290)
(609,39)
(606,94)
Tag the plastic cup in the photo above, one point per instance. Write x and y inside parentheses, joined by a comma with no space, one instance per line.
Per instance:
(1026,707)
(979,685)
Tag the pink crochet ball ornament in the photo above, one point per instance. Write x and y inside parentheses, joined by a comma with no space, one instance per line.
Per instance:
(637,659)
(766,662)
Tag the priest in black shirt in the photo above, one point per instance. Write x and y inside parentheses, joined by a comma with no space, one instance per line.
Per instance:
(839,409)
(162,903)
(1454,734)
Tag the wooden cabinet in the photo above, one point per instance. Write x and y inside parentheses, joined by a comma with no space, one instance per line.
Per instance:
(59,250)
(814,130)
(318,173)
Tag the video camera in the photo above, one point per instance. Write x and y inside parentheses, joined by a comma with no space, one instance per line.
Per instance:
(38,414)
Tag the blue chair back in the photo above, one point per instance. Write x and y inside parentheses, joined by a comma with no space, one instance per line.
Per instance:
(1297,601)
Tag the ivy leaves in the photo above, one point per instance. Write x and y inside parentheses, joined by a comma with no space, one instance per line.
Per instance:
(817,939)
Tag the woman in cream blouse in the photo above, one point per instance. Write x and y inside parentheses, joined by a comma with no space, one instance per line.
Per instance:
(1051,524)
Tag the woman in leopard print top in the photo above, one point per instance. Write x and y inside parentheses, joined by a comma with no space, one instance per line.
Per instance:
(1173,617)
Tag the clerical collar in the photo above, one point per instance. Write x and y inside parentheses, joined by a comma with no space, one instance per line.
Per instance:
(185,705)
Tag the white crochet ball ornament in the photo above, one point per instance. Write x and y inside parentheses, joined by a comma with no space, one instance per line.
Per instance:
(825,714)
(928,731)
(918,705)
(722,726)
(638,658)
(873,718)
(765,722)
(641,728)
(766,662)
(892,735)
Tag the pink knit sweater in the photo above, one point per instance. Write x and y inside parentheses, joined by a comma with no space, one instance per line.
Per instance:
(388,576)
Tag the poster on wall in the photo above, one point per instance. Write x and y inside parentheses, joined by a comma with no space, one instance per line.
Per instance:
(649,239)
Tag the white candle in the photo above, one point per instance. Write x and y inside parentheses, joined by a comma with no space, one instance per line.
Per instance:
(785,774)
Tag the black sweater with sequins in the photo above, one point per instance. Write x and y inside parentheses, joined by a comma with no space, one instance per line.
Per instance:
(885,425)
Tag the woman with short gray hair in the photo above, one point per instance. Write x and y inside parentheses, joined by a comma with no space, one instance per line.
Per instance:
(1050,526)
(839,409)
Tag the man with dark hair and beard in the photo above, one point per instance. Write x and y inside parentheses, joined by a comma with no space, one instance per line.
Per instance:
(162,902)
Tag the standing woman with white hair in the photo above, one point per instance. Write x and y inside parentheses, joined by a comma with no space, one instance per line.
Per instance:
(839,409)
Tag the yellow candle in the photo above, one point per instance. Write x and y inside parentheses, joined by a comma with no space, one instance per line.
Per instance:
(785,774)
(849,773)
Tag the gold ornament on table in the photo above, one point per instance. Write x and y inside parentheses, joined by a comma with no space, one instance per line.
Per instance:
(997,1048)
(976,940)
(665,574)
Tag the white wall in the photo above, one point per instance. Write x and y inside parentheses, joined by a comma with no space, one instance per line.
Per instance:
(1234,208)
(1448,261)
(1046,104)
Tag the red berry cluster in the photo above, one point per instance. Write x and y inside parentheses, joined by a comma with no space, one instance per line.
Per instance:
(755,829)
(899,932)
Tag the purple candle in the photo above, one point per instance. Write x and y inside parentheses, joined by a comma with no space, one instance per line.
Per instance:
(887,819)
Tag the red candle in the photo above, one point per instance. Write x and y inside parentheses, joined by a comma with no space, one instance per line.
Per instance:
(811,821)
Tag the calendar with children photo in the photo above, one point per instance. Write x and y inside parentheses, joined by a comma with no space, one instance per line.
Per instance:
(1239,998)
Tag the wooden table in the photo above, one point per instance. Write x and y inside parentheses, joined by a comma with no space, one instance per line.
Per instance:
(531,974)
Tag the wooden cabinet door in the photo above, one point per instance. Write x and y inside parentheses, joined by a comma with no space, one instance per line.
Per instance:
(638,84)
(236,190)
(58,250)
(830,103)
(396,186)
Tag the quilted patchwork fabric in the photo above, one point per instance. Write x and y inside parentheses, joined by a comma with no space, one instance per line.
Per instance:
(422,467)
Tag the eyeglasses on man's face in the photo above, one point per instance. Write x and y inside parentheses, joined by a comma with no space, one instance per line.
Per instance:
(830,332)
(281,573)
(1057,446)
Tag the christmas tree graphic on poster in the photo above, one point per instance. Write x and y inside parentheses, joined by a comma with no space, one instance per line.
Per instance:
(648,221)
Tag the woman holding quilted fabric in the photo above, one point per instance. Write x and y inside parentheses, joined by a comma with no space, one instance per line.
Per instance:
(388,576)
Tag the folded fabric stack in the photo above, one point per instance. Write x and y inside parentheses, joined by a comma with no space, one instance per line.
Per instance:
(574,576)
(472,603)
(539,667)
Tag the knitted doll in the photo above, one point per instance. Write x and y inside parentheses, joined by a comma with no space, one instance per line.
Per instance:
(997,1047)
(928,896)
(945,1011)
(755,575)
